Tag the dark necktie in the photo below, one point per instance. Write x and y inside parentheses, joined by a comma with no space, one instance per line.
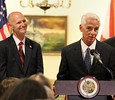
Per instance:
(21,53)
(88,59)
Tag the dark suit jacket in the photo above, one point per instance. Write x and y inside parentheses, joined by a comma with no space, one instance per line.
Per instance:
(110,41)
(10,63)
(72,66)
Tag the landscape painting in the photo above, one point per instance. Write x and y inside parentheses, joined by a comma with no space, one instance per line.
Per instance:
(49,31)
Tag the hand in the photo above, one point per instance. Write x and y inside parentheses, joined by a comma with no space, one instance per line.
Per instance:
(113,97)
(54,90)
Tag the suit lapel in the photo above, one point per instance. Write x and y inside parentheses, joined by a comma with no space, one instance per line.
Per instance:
(14,51)
(28,52)
(79,57)
(95,62)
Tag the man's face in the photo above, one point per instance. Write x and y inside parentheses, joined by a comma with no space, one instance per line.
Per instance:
(18,24)
(90,31)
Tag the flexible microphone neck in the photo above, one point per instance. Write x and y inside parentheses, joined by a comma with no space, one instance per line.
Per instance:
(97,56)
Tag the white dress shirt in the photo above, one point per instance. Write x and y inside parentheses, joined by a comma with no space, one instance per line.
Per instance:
(84,48)
(17,41)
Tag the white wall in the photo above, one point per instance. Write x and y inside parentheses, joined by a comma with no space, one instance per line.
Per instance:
(78,8)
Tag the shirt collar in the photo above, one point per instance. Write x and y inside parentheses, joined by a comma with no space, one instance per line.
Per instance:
(17,41)
(84,46)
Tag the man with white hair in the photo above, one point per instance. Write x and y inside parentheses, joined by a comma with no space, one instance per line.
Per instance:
(74,64)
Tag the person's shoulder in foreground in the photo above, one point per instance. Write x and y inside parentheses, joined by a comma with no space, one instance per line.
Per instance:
(110,41)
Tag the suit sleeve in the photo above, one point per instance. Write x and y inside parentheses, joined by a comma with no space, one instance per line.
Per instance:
(40,60)
(112,63)
(63,73)
(112,55)
(3,59)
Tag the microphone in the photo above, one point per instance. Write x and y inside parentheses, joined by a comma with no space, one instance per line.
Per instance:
(97,56)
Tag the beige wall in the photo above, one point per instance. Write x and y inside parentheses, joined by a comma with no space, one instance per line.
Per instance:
(78,8)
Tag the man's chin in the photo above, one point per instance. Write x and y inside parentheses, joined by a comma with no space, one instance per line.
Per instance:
(91,41)
(23,32)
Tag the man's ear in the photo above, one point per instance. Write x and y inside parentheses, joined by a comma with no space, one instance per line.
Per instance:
(9,24)
(80,27)
(10,28)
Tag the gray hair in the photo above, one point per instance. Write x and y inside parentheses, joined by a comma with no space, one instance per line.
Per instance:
(87,16)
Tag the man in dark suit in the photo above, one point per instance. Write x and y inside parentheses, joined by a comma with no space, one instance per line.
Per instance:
(11,62)
(73,66)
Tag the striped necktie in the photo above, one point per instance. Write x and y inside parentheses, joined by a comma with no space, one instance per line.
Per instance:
(21,53)
(88,59)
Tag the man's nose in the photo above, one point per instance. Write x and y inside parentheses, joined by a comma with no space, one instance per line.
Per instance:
(93,31)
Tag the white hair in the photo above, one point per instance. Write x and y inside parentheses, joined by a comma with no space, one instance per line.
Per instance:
(87,16)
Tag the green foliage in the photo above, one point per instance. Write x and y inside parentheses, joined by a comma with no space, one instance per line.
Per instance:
(53,43)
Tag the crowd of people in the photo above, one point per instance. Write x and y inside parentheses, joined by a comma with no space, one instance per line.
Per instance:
(35,87)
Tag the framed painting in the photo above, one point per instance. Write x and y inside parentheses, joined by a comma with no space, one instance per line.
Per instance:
(49,31)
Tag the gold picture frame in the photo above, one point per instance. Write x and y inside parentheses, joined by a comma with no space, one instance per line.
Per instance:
(49,31)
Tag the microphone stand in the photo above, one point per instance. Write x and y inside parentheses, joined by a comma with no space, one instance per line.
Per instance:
(111,73)
(100,61)
(97,56)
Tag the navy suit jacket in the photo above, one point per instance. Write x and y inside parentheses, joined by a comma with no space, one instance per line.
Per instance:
(72,66)
(10,63)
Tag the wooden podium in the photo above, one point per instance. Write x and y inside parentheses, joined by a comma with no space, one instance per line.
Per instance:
(70,87)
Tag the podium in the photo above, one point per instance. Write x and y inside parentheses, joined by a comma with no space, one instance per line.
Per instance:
(70,88)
